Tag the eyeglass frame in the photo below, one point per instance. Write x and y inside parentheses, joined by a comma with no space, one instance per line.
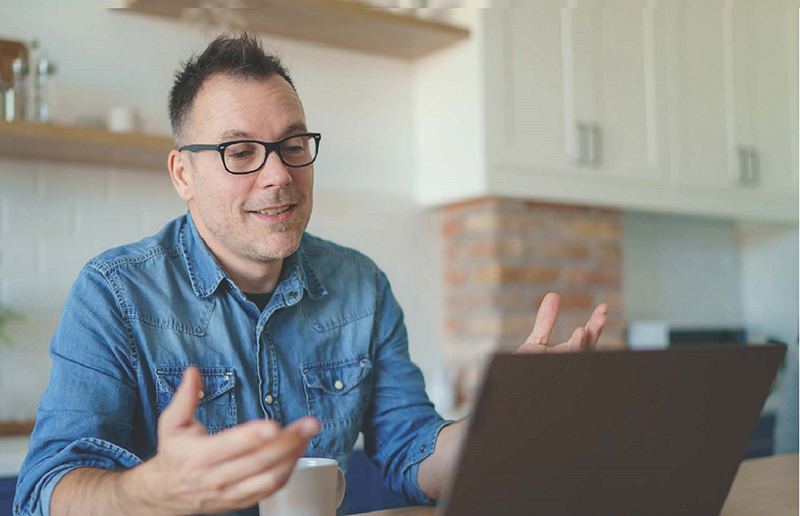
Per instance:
(268,147)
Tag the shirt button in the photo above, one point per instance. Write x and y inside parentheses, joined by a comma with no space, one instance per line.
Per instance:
(201,394)
(16,509)
(269,399)
(293,294)
(422,448)
(339,385)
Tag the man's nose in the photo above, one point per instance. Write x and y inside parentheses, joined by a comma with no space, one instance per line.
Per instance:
(274,173)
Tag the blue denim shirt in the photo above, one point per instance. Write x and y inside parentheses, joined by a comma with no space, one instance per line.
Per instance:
(331,343)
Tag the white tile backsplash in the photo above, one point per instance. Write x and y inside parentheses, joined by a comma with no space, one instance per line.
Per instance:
(53,219)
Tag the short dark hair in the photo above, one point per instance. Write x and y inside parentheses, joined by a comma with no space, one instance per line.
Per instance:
(239,56)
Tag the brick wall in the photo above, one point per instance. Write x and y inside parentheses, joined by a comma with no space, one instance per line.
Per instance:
(502,256)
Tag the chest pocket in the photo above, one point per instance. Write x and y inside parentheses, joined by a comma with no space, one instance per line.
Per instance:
(217,407)
(337,393)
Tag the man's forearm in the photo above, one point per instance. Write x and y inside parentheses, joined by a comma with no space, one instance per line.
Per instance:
(433,471)
(100,492)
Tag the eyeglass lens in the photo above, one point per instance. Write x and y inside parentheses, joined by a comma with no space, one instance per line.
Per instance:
(247,157)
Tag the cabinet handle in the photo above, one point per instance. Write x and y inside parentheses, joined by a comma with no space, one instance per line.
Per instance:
(583,145)
(753,165)
(744,165)
(597,146)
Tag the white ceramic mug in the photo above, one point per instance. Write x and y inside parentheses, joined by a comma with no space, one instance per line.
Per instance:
(315,488)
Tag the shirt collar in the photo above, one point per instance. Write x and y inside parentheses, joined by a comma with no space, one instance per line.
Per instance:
(206,274)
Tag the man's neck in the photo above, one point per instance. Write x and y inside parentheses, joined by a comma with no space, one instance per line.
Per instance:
(254,279)
(250,276)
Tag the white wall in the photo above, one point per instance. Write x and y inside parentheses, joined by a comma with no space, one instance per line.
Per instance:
(54,217)
(770,280)
(695,271)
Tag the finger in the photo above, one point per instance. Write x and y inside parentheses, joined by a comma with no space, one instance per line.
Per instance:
(240,440)
(288,445)
(577,341)
(250,490)
(596,324)
(180,411)
(545,319)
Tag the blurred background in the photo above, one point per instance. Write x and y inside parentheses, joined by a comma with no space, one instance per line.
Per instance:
(482,152)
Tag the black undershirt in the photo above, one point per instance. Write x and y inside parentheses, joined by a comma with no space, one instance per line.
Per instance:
(260,300)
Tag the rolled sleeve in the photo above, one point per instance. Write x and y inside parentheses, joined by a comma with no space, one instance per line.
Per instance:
(88,452)
(424,444)
(85,416)
(401,426)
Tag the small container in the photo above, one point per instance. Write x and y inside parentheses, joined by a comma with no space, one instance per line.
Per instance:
(42,97)
(16,96)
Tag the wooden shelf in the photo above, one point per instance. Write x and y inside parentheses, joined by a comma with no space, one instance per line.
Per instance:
(337,23)
(53,142)
(15,428)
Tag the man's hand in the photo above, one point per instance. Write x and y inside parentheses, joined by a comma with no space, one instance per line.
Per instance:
(582,338)
(197,473)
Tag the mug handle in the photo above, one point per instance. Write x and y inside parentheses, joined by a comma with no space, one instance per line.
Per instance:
(341,484)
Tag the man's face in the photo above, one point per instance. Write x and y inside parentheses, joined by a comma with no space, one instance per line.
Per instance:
(246,216)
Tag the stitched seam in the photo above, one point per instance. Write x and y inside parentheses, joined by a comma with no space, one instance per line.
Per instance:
(149,254)
(124,309)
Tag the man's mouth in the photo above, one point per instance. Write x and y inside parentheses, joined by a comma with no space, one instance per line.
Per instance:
(275,211)
(276,214)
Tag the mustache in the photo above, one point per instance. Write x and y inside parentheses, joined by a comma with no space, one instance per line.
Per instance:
(274,199)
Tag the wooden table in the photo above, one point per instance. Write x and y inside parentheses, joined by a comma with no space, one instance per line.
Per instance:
(763,487)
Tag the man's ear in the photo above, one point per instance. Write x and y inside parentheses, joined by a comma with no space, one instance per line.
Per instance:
(181,172)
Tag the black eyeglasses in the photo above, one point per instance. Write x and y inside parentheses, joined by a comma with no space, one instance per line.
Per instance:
(247,156)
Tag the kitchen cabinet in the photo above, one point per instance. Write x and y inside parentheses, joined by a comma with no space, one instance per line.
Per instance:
(573,90)
(733,99)
(685,107)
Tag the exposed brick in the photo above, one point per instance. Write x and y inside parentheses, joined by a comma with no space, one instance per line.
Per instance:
(486,222)
(454,277)
(452,326)
(469,206)
(504,248)
(524,222)
(561,250)
(510,253)
(530,274)
(592,276)
(591,228)
(560,209)
(484,326)
(497,273)
(491,273)
(570,301)
(451,228)
(608,252)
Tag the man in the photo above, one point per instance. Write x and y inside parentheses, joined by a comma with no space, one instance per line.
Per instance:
(192,369)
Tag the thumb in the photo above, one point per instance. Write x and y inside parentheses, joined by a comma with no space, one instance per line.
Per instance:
(180,411)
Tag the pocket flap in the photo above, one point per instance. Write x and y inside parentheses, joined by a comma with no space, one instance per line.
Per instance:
(216,381)
(336,377)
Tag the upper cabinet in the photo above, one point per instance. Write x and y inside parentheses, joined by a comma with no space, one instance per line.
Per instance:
(733,117)
(688,107)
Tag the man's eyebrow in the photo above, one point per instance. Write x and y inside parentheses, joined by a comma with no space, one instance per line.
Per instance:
(231,134)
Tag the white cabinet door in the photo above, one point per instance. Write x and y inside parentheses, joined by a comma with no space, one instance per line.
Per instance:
(573,91)
(612,81)
(700,98)
(768,55)
(525,90)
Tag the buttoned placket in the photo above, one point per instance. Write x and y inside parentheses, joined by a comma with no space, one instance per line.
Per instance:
(288,293)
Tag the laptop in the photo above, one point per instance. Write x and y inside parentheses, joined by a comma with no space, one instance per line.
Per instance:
(611,433)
